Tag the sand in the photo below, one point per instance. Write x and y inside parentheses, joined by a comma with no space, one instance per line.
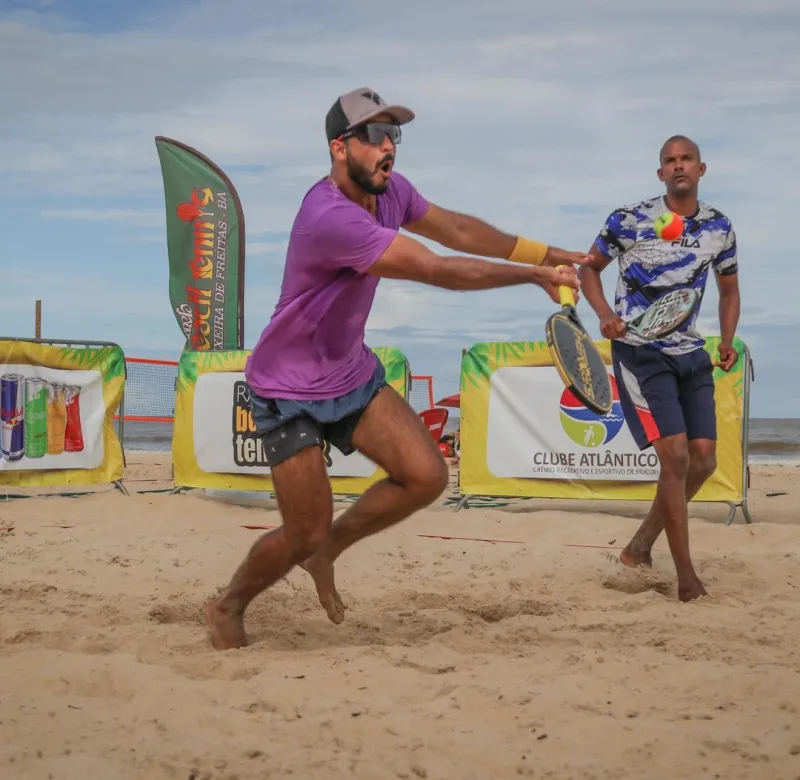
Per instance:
(462,659)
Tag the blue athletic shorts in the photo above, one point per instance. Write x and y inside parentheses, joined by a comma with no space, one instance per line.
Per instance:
(665,395)
(287,426)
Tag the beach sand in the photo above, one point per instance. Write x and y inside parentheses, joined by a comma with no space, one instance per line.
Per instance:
(527,657)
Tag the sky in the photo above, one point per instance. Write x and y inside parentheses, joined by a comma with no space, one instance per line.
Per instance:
(539,120)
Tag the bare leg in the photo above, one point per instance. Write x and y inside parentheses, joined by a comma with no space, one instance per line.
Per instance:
(391,434)
(304,497)
(670,502)
(702,464)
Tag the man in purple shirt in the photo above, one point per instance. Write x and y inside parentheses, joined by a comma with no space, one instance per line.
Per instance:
(313,379)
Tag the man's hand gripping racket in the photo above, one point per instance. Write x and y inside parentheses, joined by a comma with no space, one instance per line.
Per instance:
(663,317)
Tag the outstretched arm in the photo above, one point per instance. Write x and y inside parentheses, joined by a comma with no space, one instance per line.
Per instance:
(407,258)
(464,233)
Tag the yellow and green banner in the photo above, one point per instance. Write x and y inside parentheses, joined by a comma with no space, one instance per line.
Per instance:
(57,408)
(214,442)
(524,434)
(205,247)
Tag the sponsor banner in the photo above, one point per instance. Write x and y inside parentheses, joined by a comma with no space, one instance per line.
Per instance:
(523,433)
(57,409)
(566,441)
(214,441)
(206,248)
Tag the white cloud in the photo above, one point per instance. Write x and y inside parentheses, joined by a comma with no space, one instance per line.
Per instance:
(129,217)
(539,119)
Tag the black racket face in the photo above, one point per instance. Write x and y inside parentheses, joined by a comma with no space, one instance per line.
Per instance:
(579,363)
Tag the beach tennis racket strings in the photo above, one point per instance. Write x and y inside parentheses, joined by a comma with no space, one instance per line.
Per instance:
(665,315)
(576,357)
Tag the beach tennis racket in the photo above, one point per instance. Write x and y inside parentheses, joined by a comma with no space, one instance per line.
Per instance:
(665,315)
(576,357)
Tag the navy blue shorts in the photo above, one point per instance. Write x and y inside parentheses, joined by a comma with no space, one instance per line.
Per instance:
(287,426)
(665,395)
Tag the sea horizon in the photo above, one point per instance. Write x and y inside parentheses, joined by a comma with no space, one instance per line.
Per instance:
(772,441)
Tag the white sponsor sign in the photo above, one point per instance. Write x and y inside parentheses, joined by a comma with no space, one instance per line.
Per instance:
(50,418)
(538,430)
(225,442)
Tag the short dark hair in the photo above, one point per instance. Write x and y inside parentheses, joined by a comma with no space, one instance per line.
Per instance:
(674,138)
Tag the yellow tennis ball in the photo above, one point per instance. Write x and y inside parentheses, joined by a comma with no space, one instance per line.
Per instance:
(669,226)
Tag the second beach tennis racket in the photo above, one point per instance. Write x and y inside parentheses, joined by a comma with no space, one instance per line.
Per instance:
(665,315)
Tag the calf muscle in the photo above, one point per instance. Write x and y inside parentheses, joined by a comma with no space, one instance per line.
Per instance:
(306,504)
(702,464)
(670,511)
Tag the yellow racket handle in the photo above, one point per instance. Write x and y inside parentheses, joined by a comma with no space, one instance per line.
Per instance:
(565,295)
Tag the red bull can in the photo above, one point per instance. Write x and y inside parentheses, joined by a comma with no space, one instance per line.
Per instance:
(12,416)
(73,434)
(35,417)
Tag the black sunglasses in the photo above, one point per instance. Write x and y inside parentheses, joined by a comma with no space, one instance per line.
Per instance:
(374,133)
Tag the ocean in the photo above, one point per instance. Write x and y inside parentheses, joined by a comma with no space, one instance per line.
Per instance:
(774,441)
(771,441)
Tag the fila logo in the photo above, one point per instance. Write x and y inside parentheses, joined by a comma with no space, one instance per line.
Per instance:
(688,242)
(373,96)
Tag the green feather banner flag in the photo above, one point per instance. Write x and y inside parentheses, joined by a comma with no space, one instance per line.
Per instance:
(206,248)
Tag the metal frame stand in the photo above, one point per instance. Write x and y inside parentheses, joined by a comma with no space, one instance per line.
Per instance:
(178,489)
(749,376)
(118,483)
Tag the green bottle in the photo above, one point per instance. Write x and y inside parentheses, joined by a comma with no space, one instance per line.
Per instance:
(35,417)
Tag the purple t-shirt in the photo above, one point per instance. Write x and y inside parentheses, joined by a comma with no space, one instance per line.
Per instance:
(313,347)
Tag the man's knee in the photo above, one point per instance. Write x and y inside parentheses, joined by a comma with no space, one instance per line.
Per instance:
(703,458)
(673,456)
(428,479)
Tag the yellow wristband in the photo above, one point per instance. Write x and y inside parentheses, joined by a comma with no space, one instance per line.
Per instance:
(527,251)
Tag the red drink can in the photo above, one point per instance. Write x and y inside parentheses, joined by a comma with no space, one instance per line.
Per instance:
(73,434)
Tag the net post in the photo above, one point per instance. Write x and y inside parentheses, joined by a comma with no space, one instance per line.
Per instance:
(122,427)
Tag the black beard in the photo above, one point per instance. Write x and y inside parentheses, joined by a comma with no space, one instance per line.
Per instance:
(358,173)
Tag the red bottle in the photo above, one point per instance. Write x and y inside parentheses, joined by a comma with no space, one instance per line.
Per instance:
(73,435)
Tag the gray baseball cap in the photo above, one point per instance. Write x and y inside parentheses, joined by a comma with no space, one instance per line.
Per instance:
(358,106)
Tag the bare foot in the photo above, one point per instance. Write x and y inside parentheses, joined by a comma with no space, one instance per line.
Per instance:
(322,573)
(634,559)
(691,590)
(227,631)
